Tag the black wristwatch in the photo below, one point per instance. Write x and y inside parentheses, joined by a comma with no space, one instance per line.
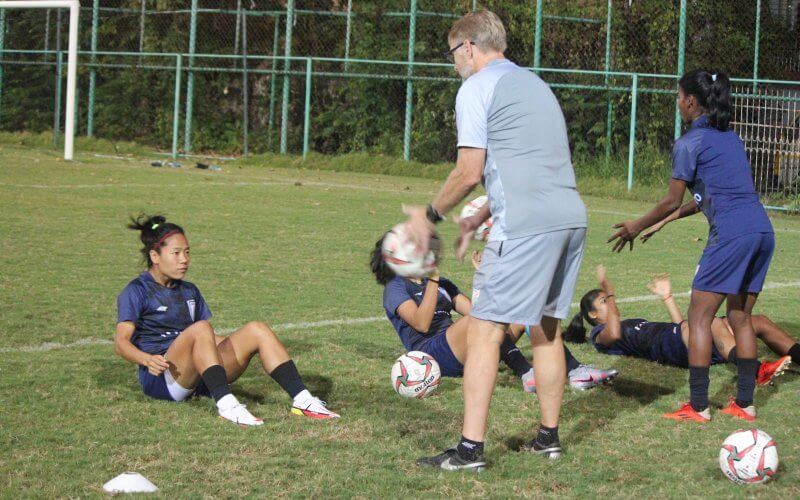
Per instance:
(433,215)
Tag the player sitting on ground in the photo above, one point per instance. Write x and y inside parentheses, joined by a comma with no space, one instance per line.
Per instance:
(163,326)
(420,311)
(667,343)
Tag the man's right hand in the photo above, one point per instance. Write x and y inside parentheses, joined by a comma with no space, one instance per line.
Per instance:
(156,364)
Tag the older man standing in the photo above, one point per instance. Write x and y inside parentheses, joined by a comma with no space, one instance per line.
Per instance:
(511,134)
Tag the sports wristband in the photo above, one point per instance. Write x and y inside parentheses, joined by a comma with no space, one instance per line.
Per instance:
(433,215)
(435,281)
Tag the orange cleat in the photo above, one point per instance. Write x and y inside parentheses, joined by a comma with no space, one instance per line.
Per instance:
(771,369)
(734,410)
(686,412)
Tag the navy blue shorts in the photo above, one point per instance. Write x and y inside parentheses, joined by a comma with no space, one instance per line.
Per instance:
(673,351)
(438,347)
(158,387)
(735,266)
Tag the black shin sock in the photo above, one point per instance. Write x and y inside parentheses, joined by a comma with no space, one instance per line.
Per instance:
(512,356)
(698,387)
(216,382)
(732,356)
(572,363)
(469,449)
(287,376)
(547,435)
(746,382)
(794,352)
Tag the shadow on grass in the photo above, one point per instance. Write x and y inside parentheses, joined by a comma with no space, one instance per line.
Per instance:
(600,407)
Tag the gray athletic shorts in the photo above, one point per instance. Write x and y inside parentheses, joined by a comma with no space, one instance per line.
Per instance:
(523,279)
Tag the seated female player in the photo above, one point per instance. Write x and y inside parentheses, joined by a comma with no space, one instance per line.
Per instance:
(163,326)
(667,343)
(420,311)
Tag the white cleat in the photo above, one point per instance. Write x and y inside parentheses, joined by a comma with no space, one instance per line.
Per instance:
(238,414)
(313,408)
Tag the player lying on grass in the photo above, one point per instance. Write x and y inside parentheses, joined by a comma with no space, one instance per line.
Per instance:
(163,326)
(420,311)
(667,343)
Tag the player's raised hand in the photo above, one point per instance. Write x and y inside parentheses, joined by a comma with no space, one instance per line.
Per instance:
(466,231)
(661,286)
(627,233)
(156,364)
(419,228)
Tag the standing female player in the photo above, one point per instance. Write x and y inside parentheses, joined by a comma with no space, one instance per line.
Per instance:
(162,326)
(711,161)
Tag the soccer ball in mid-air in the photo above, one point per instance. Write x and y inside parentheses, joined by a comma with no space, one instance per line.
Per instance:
(415,375)
(748,457)
(404,258)
(470,209)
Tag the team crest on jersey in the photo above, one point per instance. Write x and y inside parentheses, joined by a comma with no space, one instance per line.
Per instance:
(191,303)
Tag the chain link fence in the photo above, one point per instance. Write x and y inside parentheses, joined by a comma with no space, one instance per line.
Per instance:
(342,76)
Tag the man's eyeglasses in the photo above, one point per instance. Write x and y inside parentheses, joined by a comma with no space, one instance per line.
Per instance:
(449,54)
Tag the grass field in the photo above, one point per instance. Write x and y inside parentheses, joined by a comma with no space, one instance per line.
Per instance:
(290,247)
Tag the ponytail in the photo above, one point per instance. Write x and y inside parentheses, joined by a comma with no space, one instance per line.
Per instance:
(153,232)
(378,266)
(712,89)
(576,332)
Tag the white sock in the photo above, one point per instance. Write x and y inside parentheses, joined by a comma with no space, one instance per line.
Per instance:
(303,397)
(527,376)
(226,402)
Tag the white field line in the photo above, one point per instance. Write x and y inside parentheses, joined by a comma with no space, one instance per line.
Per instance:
(51,346)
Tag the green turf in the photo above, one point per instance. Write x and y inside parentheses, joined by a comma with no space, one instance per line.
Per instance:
(289,246)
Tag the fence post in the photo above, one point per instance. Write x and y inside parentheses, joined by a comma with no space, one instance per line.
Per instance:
(681,50)
(57,114)
(273,78)
(2,48)
(245,86)
(92,70)
(287,63)
(176,109)
(187,136)
(537,35)
(607,66)
(756,43)
(632,133)
(141,29)
(307,109)
(412,35)
(348,33)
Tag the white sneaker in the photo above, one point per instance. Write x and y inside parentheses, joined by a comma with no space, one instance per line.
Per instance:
(586,376)
(313,408)
(238,414)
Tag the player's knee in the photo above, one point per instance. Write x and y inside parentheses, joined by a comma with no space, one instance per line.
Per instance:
(200,329)
(260,330)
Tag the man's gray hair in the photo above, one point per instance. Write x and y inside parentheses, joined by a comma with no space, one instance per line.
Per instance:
(483,28)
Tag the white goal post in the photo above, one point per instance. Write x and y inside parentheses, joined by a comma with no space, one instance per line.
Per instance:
(74,7)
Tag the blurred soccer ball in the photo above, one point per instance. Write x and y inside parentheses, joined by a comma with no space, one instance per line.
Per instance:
(748,457)
(415,375)
(403,257)
(470,209)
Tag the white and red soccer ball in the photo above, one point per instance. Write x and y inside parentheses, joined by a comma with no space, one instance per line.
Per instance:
(748,457)
(415,375)
(470,209)
(404,258)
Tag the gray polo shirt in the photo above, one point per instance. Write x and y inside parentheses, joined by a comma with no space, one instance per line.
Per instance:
(512,114)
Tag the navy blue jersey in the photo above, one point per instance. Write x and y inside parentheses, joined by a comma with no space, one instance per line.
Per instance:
(399,290)
(715,167)
(640,338)
(159,313)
